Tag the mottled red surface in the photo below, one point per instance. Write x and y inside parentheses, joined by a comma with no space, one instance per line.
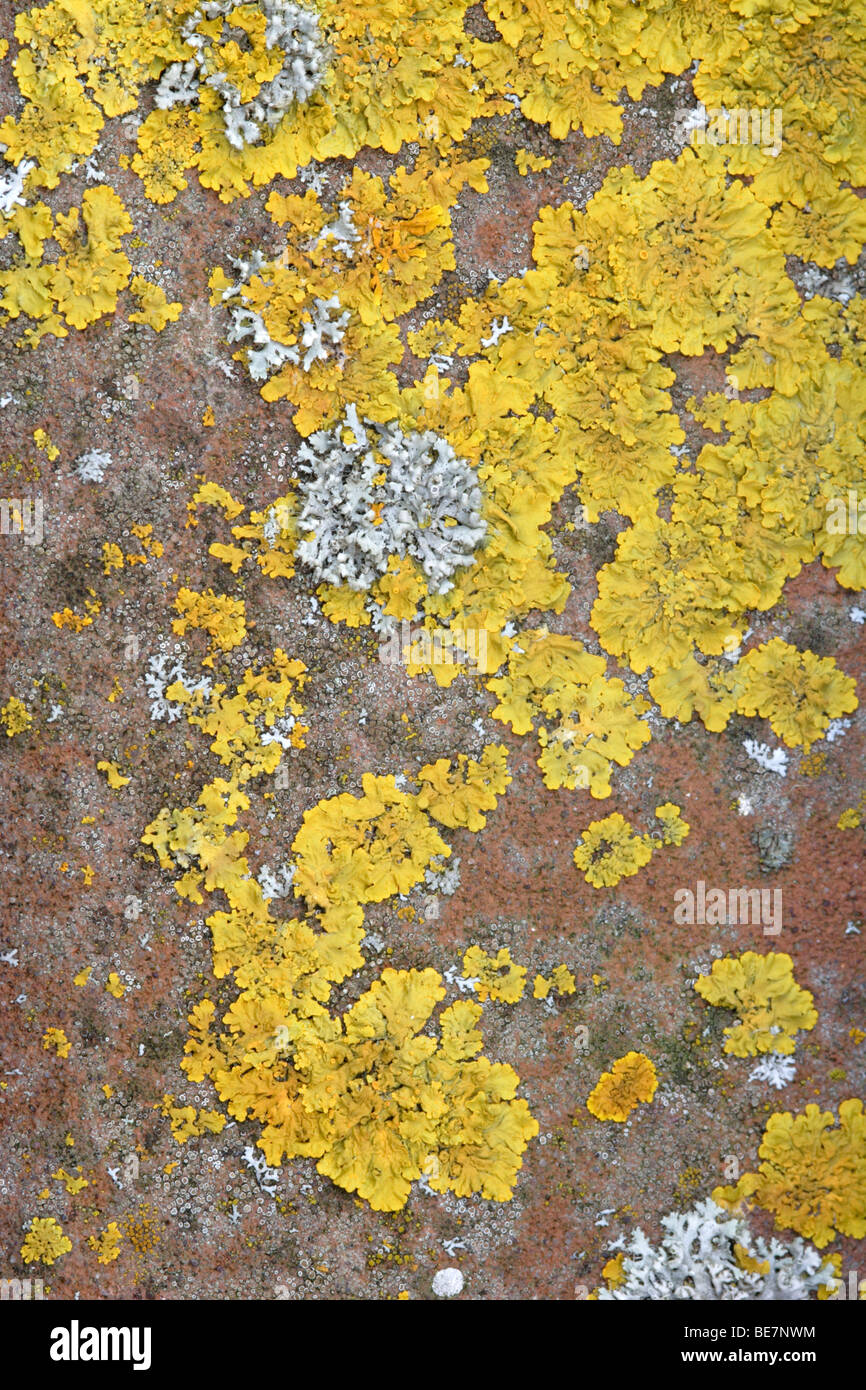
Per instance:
(214,1233)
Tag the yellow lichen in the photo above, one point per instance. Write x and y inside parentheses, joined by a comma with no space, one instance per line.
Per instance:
(107,1244)
(115,986)
(363,849)
(44,1241)
(611,851)
(812,1176)
(186,1124)
(771,1005)
(15,717)
(113,775)
(155,309)
(498,977)
(599,722)
(461,798)
(56,1038)
(798,692)
(72,1183)
(674,828)
(618,1092)
(561,979)
(222,617)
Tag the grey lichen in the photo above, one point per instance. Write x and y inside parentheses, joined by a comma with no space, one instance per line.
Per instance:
(294,29)
(706,1253)
(369,491)
(317,334)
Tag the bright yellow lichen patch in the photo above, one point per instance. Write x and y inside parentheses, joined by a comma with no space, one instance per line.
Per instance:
(853,815)
(113,775)
(812,1176)
(762,990)
(364,849)
(461,798)
(416,1104)
(632,1079)
(498,977)
(107,1244)
(599,721)
(674,828)
(222,617)
(798,692)
(561,979)
(77,621)
(186,1123)
(397,250)
(56,1038)
(155,309)
(44,1241)
(83,284)
(72,1183)
(15,717)
(611,851)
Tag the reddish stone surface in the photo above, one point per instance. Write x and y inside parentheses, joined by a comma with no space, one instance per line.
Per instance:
(205,1229)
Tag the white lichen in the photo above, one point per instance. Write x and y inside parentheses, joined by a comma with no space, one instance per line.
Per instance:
(770,759)
(443,877)
(12,183)
(317,334)
(447,1283)
(292,29)
(836,729)
(267,1178)
(498,329)
(90,466)
(280,731)
(278,885)
(464,983)
(368,491)
(342,232)
(163,671)
(705,1253)
(775,1069)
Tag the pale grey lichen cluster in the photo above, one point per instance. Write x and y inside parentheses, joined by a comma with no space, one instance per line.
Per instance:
(368,491)
(90,466)
(697,1259)
(293,28)
(321,328)
(276,884)
(163,671)
(443,876)
(776,1070)
(12,181)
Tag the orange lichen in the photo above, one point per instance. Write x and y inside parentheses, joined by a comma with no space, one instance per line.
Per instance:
(619,1091)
